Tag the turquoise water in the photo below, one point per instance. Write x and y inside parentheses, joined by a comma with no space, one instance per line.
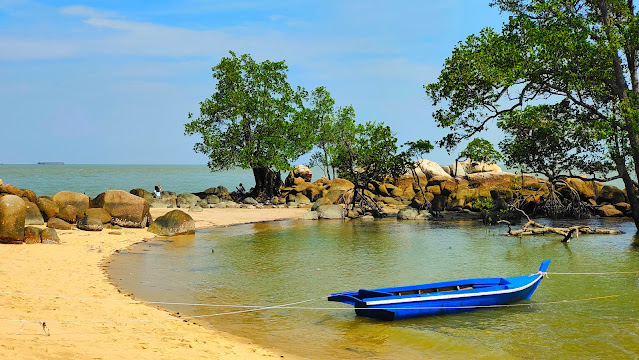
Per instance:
(284,262)
(94,179)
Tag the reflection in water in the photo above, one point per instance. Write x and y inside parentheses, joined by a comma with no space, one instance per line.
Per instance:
(283,262)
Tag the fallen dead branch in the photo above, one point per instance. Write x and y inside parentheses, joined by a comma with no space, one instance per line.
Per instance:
(534,228)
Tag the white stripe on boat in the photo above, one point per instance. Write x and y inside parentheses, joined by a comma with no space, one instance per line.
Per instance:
(452,296)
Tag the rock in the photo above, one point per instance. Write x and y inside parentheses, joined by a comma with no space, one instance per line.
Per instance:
(331,212)
(424,215)
(611,194)
(126,210)
(48,208)
(59,224)
(459,170)
(300,172)
(624,207)
(313,192)
(352,214)
(175,222)
(12,217)
(100,214)
(333,195)
(298,199)
(339,184)
(49,236)
(187,200)
(70,214)
(390,200)
(310,215)
(142,193)
(32,235)
(407,213)
(11,190)
(249,200)
(429,169)
(29,195)
(585,190)
(90,223)
(77,200)
(608,211)
(320,202)
(167,201)
(212,199)
(196,208)
(33,215)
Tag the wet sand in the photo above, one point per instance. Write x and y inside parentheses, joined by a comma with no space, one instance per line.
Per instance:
(87,317)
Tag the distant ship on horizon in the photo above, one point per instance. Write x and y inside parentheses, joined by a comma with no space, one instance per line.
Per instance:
(50,163)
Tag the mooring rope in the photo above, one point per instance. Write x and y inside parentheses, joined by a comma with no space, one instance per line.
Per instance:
(291,307)
(593,273)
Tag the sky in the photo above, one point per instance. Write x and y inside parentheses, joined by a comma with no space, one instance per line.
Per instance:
(112,82)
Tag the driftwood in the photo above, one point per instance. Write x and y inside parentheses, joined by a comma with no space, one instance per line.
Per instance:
(534,228)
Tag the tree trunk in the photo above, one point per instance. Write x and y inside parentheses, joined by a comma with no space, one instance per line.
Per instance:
(267,183)
(630,189)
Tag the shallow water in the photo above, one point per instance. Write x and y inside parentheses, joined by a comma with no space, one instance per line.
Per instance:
(284,262)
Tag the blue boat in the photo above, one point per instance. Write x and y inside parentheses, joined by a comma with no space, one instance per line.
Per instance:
(441,298)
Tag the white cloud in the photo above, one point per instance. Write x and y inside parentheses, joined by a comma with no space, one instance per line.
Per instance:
(86,11)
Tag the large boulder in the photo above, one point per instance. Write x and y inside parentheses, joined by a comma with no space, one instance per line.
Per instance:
(339,184)
(99,213)
(126,210)
(12,190)
(335,212)
(611,194)
(609,211)
(32,235)
(300,172)
(297,199)
(77,200)
(90,223)
(586,190)
(175,222)
(429,169)
(310,215)
(49,236)
(187,200)
(55,223)
(12,216)
(70,214)
(141,193)
(33,215)
(29,195)
(48,207)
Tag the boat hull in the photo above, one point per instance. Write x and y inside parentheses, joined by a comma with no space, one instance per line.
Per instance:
(441,298)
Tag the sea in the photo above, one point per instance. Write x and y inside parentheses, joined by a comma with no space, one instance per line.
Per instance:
(95,179)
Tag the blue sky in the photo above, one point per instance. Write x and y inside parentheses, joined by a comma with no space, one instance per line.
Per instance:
(111,82)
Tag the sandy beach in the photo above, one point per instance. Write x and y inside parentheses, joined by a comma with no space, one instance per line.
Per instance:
(86,316)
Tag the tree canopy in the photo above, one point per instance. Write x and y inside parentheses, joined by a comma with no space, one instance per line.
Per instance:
(481,150)
(582,52)
(254,119)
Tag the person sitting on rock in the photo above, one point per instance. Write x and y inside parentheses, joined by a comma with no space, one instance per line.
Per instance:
(157,193)
(240,189)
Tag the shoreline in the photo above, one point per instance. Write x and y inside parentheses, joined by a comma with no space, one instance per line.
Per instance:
(87,316)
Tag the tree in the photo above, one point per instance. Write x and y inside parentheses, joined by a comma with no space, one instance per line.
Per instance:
(481,150)
(254,119)
(325,116)
(583,52)
(550,140)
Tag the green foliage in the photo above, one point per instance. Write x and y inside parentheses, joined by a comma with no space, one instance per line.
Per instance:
(582,53)
(254,119)
(550,140)
(481,150)
(483,204)
(364,152)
